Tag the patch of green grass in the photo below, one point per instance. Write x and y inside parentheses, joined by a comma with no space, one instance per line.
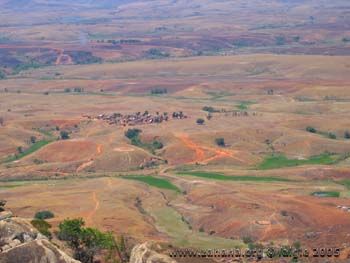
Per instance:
(280,161)
(218,176)
(155,182)
(326,194)
(33,148)
(244,105)
(218,94)
(9,186)
(171,222)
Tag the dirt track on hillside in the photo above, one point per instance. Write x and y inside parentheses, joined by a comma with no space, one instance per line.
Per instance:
(204,154)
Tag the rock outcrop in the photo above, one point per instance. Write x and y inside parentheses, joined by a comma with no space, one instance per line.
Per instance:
(146,253)
(21,243)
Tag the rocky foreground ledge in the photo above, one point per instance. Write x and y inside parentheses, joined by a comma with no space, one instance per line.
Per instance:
(20,242)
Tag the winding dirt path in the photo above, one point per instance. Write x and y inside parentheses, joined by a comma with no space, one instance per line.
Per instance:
(89,218)
(63,59)
(81,167)
(200,151)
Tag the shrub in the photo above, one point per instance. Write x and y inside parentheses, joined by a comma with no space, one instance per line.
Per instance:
(209,109)
(44,215)
(200,121)
(78,90)
(42,226)
(157,145)
(64,135)
(220,142)
(33,139)
(2,205)
(347,135)
(284,213)
(19,149)
(332,136)
(311,129)
(247,240)
(154,53)
(38,161)
(2,75)
(157,91)
(280,40)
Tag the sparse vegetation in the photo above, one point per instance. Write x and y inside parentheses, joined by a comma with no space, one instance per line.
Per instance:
(332,136)
(244,105)
(346,183)
(42,226)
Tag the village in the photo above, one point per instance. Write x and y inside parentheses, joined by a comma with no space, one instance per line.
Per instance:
(138,118)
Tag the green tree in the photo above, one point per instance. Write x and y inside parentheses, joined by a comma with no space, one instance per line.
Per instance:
(64,135)
(33,139)
(86,242)
(2,205)
(311,129)
(220,142)
(200,121)
(70,230)
(132,133)
(347,135)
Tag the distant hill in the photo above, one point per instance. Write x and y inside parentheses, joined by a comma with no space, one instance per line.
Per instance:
(25,4)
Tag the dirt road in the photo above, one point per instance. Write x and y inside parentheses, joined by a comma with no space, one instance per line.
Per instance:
(89,218)
(204,154)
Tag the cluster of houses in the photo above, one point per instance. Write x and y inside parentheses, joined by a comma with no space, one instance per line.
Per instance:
(241,113)
(137,118)
(344,208)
